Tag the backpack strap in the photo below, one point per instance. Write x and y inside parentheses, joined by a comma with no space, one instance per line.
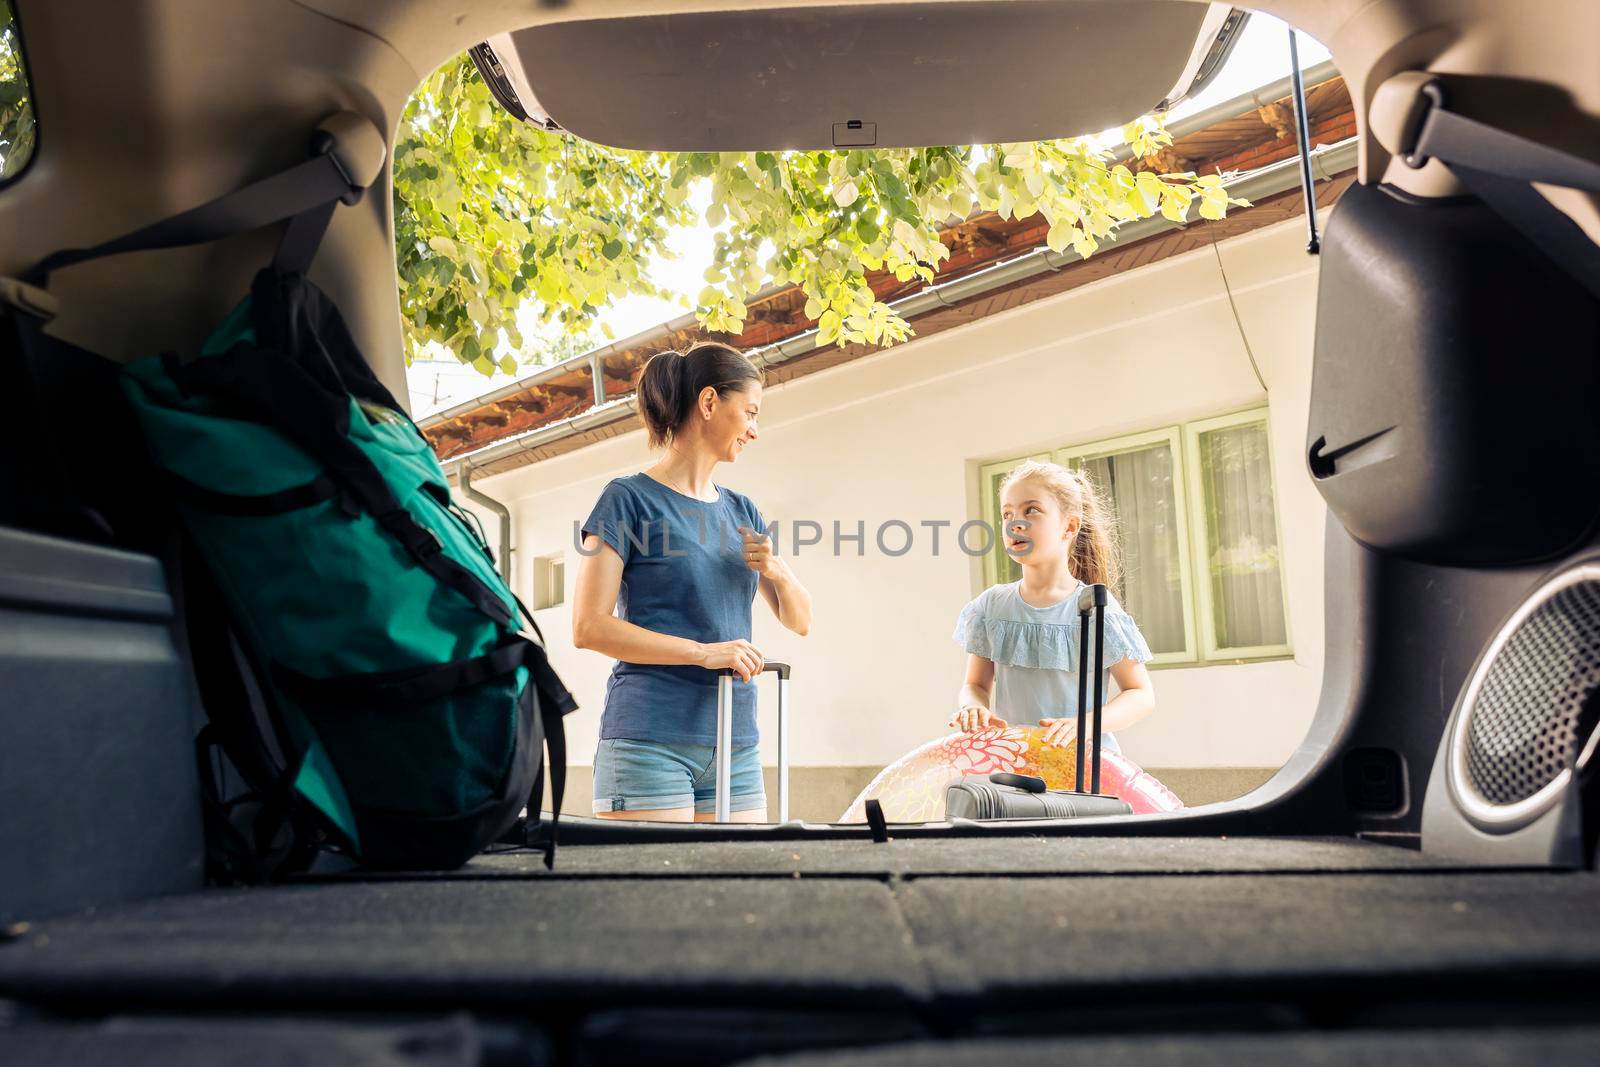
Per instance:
(1499,168)
(555,739)
(263,831)
(421,684)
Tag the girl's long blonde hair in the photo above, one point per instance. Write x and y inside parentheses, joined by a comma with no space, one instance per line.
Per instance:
(1094,558)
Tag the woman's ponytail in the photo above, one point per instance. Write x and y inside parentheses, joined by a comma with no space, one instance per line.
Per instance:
(672,381)
(664,396)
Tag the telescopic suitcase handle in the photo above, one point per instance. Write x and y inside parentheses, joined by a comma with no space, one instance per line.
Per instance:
(724,810)
(1091,599)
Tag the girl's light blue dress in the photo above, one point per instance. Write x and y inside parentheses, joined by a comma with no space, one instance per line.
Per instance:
(1035,653)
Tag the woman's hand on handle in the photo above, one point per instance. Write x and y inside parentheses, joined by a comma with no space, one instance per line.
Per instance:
(744,658)
(596,627)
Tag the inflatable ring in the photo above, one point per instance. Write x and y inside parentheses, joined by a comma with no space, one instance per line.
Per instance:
(911,789)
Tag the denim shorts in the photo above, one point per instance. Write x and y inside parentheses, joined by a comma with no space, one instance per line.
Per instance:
(656,775)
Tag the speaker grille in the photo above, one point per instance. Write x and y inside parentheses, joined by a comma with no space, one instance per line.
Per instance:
(1536,705)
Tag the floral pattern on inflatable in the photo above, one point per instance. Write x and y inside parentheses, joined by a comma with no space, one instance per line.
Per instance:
(911,789)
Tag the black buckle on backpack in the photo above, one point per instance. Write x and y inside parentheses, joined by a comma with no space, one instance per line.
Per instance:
(421,542)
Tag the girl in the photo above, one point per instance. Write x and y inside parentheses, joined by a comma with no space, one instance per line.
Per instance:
(1022,638)
(671,564)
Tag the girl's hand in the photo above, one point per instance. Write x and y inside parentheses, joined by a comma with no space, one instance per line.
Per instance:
(745,659)
(976,717)
(1060,731)
(758,553)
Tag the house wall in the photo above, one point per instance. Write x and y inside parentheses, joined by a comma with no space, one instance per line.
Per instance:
(900,435)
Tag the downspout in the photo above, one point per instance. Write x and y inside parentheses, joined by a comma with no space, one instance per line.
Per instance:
(464,472)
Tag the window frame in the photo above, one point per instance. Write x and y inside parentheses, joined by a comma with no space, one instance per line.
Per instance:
(989,504)
(1208,621)
(1075,455)
(1200,642)
(545,569)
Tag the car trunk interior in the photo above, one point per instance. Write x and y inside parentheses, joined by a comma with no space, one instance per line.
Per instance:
(1314,918)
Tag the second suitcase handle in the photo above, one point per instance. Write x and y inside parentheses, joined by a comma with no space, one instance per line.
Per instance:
(724,810)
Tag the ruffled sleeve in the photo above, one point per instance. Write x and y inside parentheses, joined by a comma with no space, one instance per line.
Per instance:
(1123,639)
(1051,645)
(967,623)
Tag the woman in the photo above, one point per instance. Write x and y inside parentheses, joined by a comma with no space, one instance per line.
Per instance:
(680,559)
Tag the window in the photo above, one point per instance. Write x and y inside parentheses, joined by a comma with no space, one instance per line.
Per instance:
(1197,529)
(549,581)
(1141,479)
(17,129)
(1241,584)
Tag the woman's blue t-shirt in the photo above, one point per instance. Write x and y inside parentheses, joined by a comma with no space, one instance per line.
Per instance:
(684,574)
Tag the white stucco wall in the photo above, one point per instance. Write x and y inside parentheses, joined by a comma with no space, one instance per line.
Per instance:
(900,434)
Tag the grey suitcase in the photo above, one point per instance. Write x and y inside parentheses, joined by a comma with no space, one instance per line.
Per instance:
(725,741)
(995,799)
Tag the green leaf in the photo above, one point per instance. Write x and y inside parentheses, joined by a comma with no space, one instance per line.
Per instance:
(828,328)
(1175,207)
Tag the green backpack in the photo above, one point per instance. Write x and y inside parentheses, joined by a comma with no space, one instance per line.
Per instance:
(407,713)
(357,655)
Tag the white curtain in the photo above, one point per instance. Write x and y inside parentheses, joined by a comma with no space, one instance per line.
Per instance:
(1242,536)
(1138,487)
